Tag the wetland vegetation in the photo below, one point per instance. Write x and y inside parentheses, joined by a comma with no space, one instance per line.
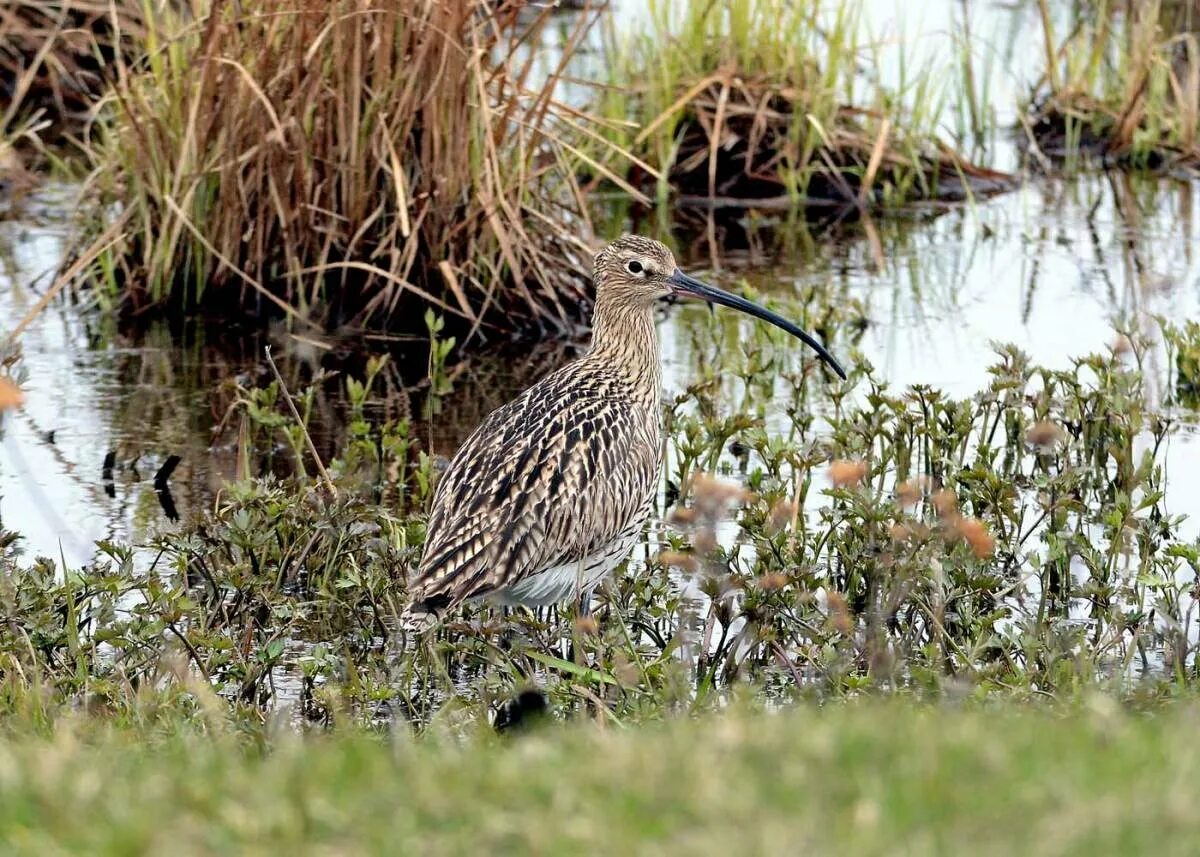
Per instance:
(1122,86)
(764,105)
(900,608)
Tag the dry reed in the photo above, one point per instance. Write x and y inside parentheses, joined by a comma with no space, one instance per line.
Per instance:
(1122,85)
(58,56)
(349,163)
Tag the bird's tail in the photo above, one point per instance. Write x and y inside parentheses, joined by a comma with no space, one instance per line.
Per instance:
(420,617)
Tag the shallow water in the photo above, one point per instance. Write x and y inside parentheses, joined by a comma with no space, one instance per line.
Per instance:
(1056,267)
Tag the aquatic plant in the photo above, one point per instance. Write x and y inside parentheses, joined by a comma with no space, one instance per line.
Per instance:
(346,165)
(1016,542)
(1120,86)
(743,102)
(1014,539)
(1183,340)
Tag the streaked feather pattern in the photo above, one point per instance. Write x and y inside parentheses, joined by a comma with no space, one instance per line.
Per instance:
(547,479)
(552,490)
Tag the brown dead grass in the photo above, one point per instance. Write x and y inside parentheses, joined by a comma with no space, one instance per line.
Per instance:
(16,181)
(763,104)
(57,57)
(350,163)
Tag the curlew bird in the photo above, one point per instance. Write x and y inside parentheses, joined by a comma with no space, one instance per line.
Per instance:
(550,493)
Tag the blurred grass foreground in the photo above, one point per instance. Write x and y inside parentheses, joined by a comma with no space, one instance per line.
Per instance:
(863,779)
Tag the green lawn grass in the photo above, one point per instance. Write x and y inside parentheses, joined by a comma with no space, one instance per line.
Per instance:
(859,778)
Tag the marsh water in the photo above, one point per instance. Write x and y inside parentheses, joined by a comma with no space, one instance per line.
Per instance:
(1057,267)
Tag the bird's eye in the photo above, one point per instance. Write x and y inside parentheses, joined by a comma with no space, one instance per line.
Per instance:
(633,266)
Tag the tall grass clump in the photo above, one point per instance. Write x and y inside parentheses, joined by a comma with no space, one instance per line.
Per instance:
(763,100)
(58,56)
(346,163)
(1121,86)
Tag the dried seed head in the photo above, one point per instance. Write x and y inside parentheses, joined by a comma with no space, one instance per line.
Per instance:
(844,473)
(711,501)
(705,541)
(975,534)
(624,670)
(772,582)
(900,532)
(839,612)
(683,561)
(1045,435)
(11,396)
(1122,346)
(945,504)
(682,515)
(782,514)
(709,488)
(586,626)
(910,492)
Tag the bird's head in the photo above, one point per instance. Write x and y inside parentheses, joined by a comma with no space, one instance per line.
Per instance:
(641,270)
(635,269)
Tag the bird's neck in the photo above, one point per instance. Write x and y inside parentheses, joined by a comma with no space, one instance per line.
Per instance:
(625,339)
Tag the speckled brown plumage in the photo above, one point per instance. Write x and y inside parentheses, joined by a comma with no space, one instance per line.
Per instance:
(552,490)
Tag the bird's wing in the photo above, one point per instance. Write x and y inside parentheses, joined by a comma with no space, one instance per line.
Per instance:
(547,479)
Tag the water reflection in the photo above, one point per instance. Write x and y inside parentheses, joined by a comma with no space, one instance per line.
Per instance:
(1060,268)
(1057,268)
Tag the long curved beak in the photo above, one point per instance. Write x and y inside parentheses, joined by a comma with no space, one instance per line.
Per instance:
(683,284)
